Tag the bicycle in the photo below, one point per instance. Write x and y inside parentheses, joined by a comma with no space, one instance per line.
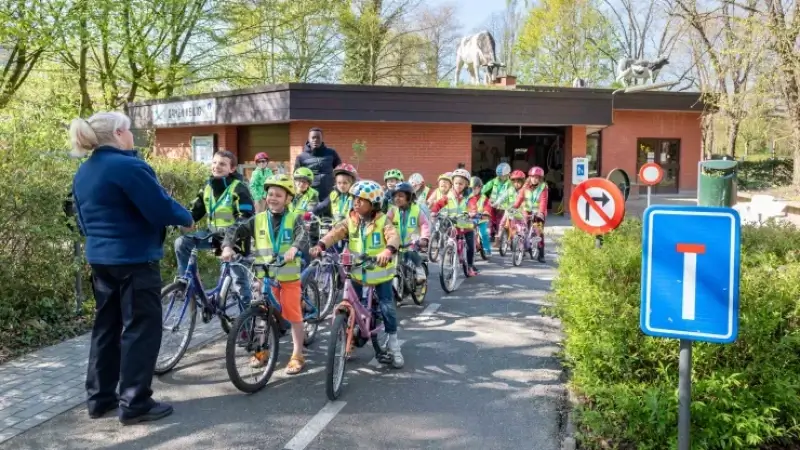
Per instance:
(455,250)
(258,329)
(323,270)
(188,290)
(357,320)
(405,280)
(438,236)
(520,241)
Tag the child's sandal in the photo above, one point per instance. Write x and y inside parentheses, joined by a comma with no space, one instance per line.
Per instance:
(296,365)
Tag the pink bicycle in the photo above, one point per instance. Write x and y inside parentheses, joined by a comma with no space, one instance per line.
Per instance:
(356,321)
(454,252)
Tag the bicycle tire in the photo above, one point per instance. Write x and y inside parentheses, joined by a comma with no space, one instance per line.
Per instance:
(333,293)
(481,250)
(448,251)
(338,332)
(377,318)
(418,296)
(192,311)
(502,242)
(311,290)
(435,246)
(517,251)
(231,344)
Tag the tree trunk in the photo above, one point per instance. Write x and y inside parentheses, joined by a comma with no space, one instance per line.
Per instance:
(733,133)
(795,147)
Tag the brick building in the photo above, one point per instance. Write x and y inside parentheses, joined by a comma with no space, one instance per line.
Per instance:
(431,130)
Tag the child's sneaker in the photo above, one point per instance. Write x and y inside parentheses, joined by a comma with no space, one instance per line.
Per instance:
(420,275)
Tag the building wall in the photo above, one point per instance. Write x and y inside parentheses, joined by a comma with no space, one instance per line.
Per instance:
(177,142)
(427,148)
(619,142)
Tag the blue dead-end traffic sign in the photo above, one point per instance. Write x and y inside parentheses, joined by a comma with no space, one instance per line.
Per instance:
(690,273)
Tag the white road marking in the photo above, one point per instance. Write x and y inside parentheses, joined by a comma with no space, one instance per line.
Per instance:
(429,310)
(317,423)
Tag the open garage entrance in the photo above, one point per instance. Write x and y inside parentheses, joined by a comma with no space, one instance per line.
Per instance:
(522,147)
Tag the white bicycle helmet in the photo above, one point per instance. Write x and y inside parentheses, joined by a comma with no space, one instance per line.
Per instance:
(416,179)
(463,173)
(503,169)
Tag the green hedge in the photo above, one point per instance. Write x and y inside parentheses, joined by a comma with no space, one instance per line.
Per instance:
(745,395)
(765,174)
(36,250)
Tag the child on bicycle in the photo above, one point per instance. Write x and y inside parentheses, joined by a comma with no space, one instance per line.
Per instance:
(455,204)
(445,186)
(409,221)
(534,197)
(420,190)
(370,233)
(499,191)
(391,177)
(340,201)
(307,197)
(223,200)
(483,205)
(278,232)
(518,189)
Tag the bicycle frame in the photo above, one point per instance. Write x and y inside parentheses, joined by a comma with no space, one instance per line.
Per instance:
(356,311)
(205,299)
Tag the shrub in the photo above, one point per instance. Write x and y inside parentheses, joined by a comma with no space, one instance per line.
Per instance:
(36,243)
(764,174)
(744,394)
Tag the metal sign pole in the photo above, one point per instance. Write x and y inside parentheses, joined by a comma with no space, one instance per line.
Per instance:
(684,394)
(648,195)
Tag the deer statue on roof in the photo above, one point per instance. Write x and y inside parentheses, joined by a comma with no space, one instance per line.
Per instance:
(628,69)
(478,51)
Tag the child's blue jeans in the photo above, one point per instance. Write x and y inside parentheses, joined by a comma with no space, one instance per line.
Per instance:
(483,229)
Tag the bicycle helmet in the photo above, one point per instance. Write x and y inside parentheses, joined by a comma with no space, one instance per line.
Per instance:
(536,171)
(407,188)
(446,177)
(304,174)
(416,179)
(368,190)
(261,156)
(517,175)
(346,169)
(463,173)
(393,173)
(281,181)
(476,183)
(503,169)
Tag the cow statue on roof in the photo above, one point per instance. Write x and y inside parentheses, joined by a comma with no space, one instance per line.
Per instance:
(478,51)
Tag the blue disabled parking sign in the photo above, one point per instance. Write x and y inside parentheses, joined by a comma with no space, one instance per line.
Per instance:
(690,273)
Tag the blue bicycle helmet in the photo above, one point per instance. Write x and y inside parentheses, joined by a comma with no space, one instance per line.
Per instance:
(503,169)
(407,188)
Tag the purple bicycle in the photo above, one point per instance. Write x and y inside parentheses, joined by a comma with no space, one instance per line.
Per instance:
(356,321)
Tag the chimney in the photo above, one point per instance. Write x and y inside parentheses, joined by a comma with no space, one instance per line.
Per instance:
(508,81)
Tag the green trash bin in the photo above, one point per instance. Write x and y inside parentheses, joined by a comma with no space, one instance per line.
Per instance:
(717,183)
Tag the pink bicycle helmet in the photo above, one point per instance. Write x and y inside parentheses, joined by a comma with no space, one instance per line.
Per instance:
(536,171)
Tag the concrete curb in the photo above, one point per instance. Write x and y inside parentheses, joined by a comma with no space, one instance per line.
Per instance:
(791,207)
(569,442)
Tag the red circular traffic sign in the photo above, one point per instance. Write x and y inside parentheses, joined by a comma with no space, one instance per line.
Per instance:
(597,206)
(651,174)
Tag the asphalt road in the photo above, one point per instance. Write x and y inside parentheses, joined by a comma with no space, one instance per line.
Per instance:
(480,373)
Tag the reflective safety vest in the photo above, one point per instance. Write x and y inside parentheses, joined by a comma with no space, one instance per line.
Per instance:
(481,202)
(437,195)
(422,197)
(306,201)
(341,204)
(536,194)
(220,211)
(406,222)
(523,207)
(370,241)
(265,251)
(456,208)
(500,189)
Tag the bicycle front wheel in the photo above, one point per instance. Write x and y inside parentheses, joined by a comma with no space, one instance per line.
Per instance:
(435,246)
(311,304)
(517,250)
(336,357)
(256,333)
(328,283)
(448,272)
(175,325)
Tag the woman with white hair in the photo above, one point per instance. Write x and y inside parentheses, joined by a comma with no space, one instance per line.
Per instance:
(123,212)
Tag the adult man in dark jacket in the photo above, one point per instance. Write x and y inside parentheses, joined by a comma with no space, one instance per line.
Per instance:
(321,160)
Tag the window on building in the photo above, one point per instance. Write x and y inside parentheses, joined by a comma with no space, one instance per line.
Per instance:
(593,152)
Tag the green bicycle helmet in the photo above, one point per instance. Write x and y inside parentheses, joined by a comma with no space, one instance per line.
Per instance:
(393,173)
(304,173)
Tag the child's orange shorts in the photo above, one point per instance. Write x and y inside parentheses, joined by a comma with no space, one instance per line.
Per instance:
(289,298)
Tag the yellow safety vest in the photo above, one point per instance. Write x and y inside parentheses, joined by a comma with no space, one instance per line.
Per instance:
(456,208)
(535,195)
(422,197)
(481,202)
(437,195)
(371,243)
(409,226)
(523,207)
(265,252)
(220,212)
(306,201)
(341,204)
